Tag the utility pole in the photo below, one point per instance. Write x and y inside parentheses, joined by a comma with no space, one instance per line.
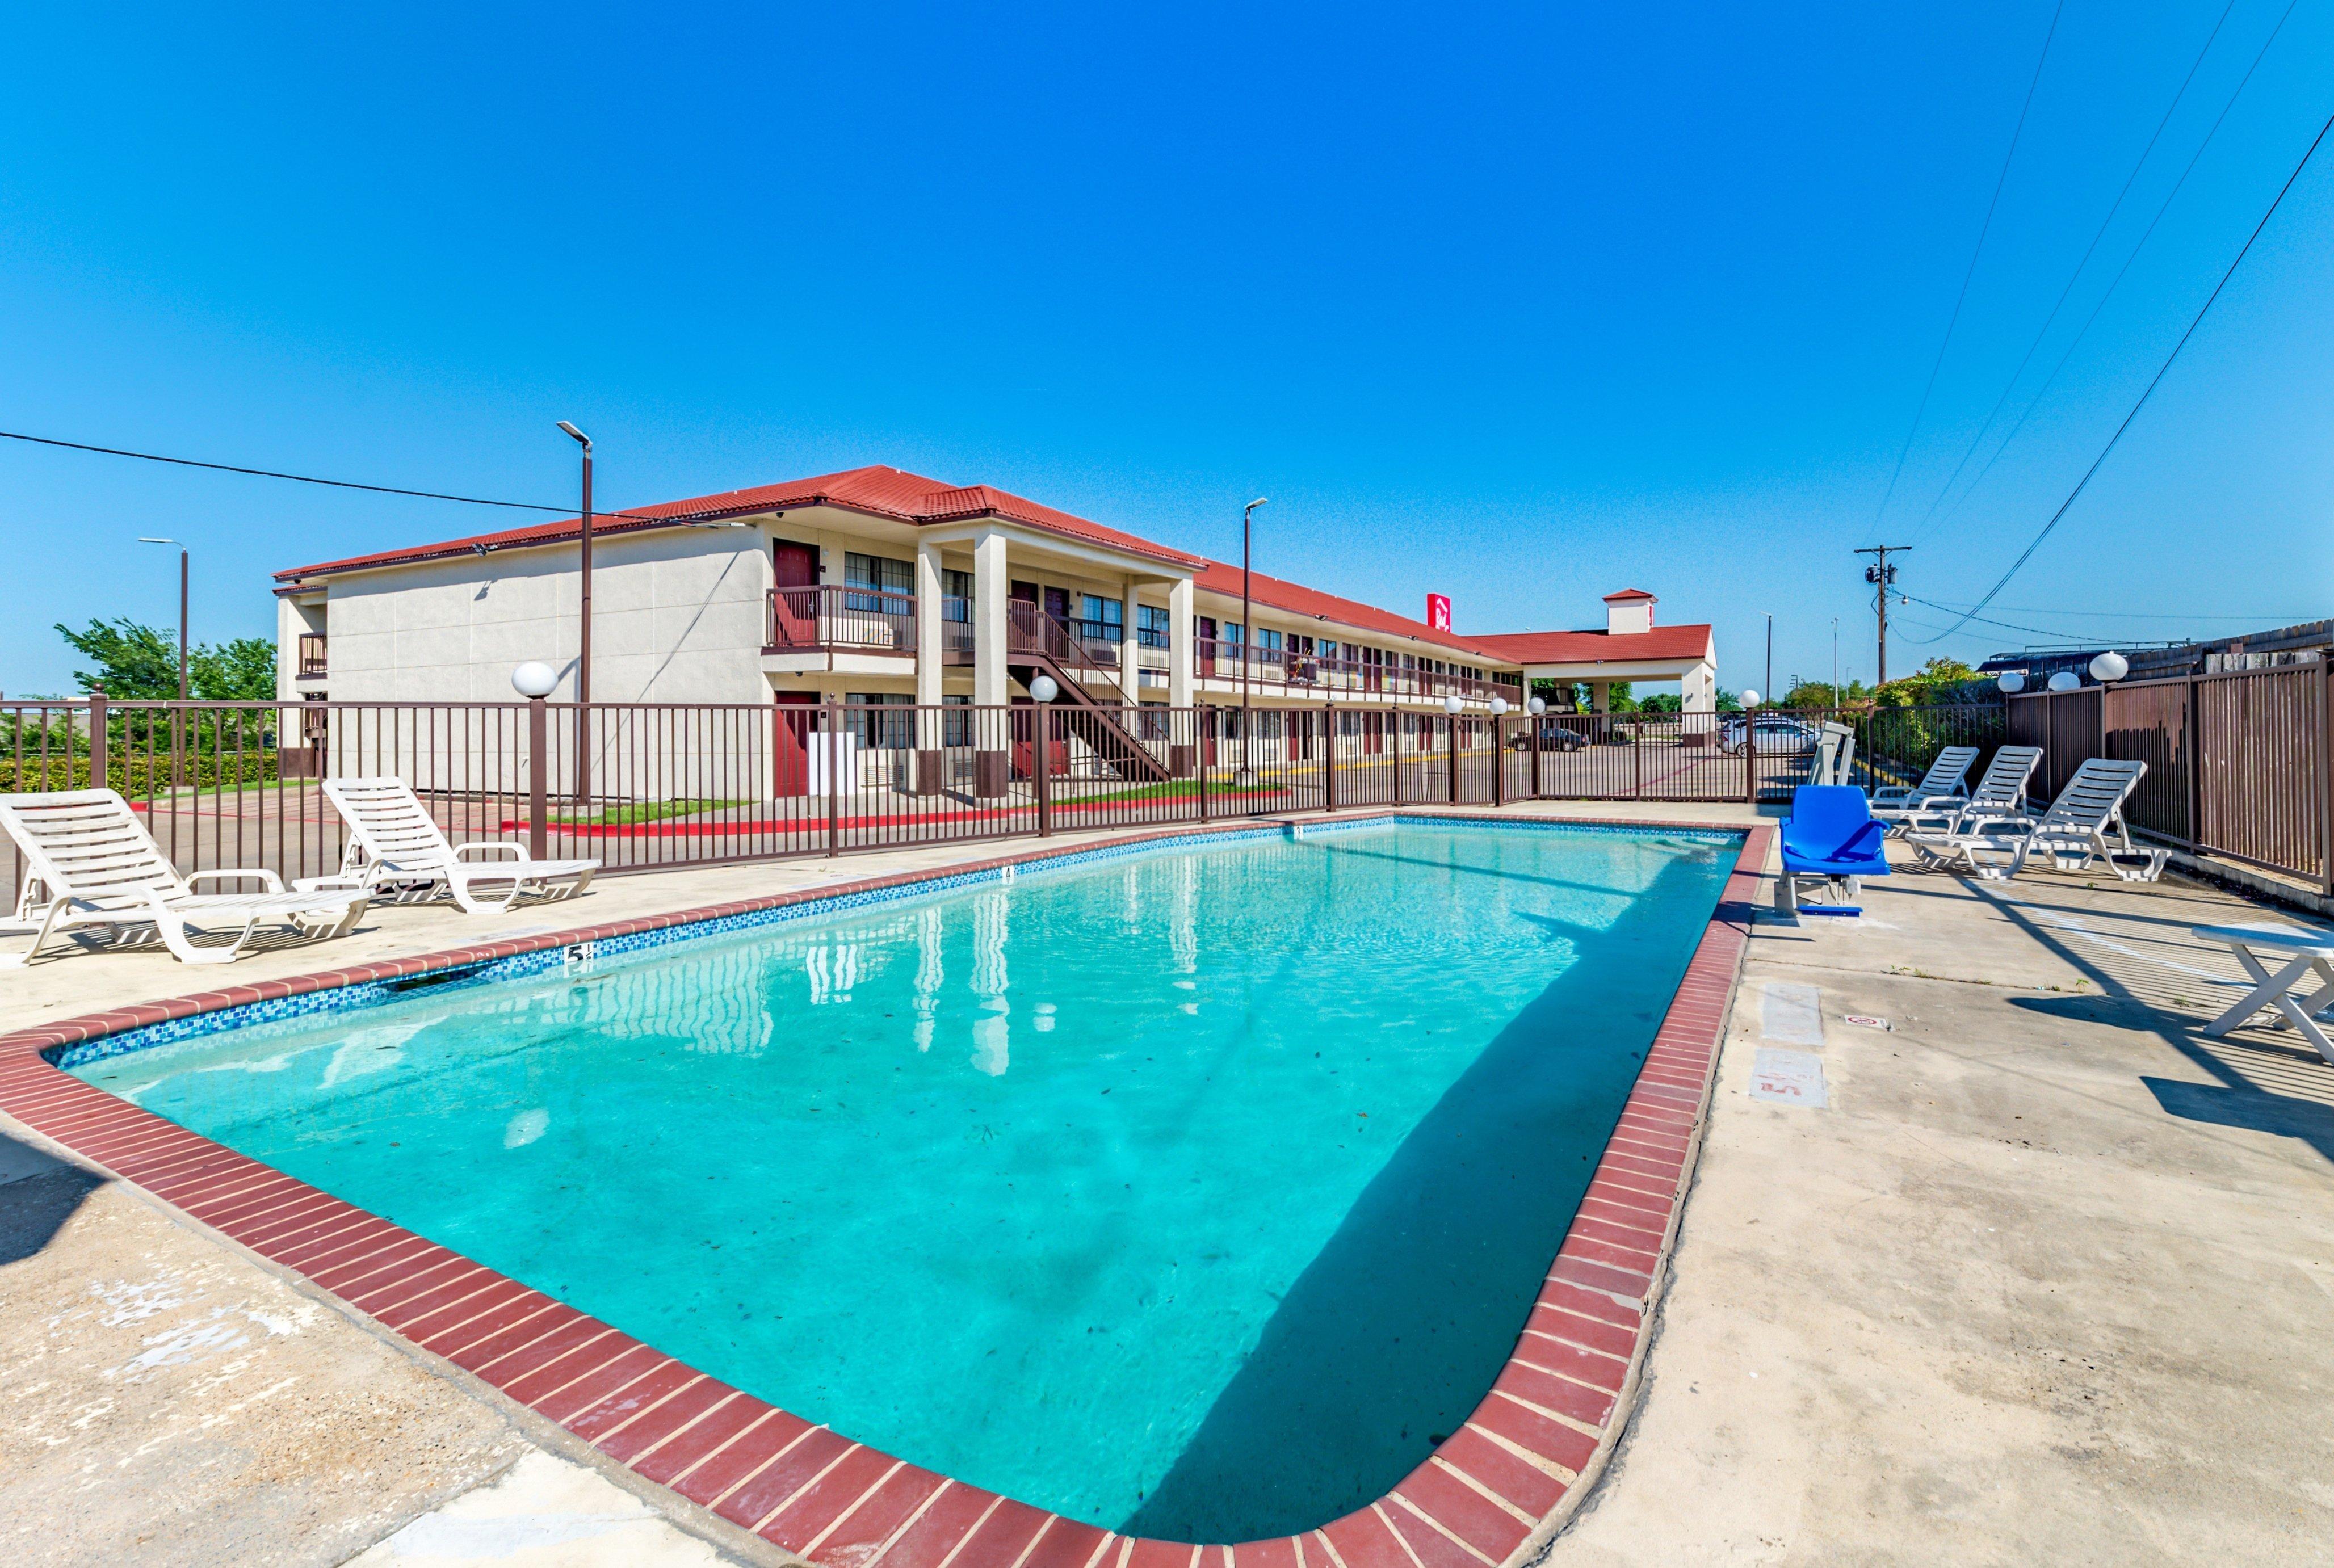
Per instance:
(1882,576)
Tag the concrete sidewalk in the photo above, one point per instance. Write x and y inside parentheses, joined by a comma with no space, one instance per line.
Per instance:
(2047,1276)
(2050,1278)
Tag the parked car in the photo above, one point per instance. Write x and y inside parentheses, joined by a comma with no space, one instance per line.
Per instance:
(1552,736)
(1774,733)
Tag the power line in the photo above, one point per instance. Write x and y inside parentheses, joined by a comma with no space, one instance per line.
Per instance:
(334,484)
(1961,298)
(2117,282)
(2073,277)
(2153,382)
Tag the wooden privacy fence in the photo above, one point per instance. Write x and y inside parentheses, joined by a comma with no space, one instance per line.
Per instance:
(2236,761)
(644,786)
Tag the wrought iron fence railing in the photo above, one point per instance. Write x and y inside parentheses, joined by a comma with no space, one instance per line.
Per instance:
(644,786)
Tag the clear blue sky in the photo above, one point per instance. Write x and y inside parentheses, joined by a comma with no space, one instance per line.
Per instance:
(1521,306)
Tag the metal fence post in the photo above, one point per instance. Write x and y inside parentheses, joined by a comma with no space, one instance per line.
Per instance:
(97,741)
(1454,727)
(1041,747)
(2193,733)
(1202,718)
(1531,739)
(1749,759)
(2326,775)
(832,717)
(1637,763)
(1328,758)
(538,783)
(1393,723)
(1499,763)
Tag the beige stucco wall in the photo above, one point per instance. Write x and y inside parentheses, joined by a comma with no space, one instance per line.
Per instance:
(676,617)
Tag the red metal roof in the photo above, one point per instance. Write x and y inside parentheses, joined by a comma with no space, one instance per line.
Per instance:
(881,491)
(1662,642)
(1279,593)
(877,490)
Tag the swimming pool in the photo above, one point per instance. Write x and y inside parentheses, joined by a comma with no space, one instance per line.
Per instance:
(1196,1193)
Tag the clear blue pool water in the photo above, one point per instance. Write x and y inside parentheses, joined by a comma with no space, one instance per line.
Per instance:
(1193,1194)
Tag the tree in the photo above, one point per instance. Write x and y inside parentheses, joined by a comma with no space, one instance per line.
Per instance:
(243,670)
(1928,684)
(137,663)
(133,662)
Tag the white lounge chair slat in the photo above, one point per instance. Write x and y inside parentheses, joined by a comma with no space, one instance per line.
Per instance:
(89,861)
(394,841)
(2073,833)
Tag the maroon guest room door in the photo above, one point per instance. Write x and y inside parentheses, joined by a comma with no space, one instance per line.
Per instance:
(796,566)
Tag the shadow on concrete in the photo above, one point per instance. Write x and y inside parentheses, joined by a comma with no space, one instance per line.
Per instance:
(38,1193)
(1395,1332)
(2244,1105)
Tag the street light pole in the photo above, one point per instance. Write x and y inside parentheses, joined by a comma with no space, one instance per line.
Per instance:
(584,636)
(583,640)
(1770,653)
(182,610)
(1247,649)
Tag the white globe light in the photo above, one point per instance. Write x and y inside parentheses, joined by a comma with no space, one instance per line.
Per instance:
(1452,704)
(1044,689)
(2109,666)
(533,678)
(1538,706)
(1750,699)
(1498,705)
(2065,680)
(2011,681)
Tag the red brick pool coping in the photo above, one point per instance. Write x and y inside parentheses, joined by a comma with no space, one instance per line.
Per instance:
(1506,1481)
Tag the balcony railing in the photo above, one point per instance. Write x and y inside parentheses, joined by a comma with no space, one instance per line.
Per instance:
(311,655)
(1217,660)
(861,620)
(870,621)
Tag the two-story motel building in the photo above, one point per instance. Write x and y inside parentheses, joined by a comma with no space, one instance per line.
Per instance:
(878,587)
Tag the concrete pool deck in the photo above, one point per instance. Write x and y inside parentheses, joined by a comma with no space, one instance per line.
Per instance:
(2132,1363)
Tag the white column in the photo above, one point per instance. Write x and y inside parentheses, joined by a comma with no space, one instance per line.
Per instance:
(1701,689)
(1130,650)
(1600,694)
(1179,643)
(929,732)
(991,590)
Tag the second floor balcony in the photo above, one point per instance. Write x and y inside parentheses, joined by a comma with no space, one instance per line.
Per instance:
(312,655)
(861,620)
(1287,669)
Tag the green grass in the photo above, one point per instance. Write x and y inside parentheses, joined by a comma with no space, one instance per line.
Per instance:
(1175,789)
(643,812)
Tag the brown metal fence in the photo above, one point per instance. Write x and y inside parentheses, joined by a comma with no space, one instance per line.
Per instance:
(2236,761)
(646,786)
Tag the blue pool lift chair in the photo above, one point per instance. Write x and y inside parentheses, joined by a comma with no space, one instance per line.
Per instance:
(1831,835)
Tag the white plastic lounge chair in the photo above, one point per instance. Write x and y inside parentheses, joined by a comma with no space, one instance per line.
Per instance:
(1946,784)
(2000,793)
(2073,833)
(89,861)
(393,843)
(2303,952)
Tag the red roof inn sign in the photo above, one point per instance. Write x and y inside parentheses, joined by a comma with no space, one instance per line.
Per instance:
(1438,611)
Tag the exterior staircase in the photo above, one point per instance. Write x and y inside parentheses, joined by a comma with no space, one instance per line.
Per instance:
(1038,644)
